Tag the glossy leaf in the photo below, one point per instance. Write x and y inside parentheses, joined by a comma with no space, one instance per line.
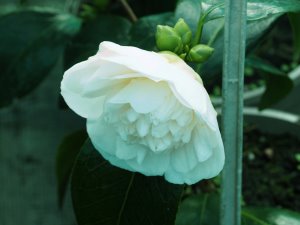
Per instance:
(269,216)
(102,28)
(30,45)
(202,209)
(106,195)
(256,9)
(260,17)
(143,31)
(65,159)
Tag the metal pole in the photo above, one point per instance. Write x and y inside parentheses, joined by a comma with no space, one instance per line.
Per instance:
(232,110)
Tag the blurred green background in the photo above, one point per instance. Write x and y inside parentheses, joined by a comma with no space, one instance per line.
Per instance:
(40,39)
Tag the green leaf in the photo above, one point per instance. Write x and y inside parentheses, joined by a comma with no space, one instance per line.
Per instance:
(263,65)
(30,44)
(7,8)
(65,159)
(106,195)
(256,9)
(260,15)
(204,209)
(278,84)
(294,21)
(278,87)
(201,209)
(269,216)
(102,28)
(143,31)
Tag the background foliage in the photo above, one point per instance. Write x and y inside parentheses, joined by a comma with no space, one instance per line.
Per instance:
(34,35)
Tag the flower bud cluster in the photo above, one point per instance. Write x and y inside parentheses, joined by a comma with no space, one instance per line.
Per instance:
(178,39)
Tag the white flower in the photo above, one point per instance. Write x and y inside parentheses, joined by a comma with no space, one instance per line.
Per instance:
(146,112)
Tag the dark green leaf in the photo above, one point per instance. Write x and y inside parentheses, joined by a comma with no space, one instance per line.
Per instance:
(65,159)
(269,216)
(263,65)
(202,209)
(143,31)
(103,28)
(106,195)
(30,44)
(294,21)
(278,87)
(278,84)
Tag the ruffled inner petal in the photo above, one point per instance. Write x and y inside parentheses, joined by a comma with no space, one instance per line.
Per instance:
(202,142)
(184,159)
(142,94)
(152,165)
(203,170)
(183,81)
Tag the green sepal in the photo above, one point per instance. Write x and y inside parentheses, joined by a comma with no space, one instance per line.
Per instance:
(200,53)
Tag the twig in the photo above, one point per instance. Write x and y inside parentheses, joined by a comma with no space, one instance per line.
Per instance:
(129,10)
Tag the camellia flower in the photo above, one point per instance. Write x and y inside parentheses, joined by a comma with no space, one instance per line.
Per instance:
(146,112)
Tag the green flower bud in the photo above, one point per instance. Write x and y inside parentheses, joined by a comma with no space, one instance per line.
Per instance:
(184,31)
(200,53)
(167,39)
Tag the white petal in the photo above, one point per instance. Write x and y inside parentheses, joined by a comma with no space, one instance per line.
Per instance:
(85,107)
(212,166)
(204,170)
(163,113)
(106,141)
(143,95)
(72,87)
(141,154)
(185,118)
(160,130)
(185,83)
(186,136)
(154,164)
(184,159)
(75,78)
(142,127)
(124,151)
(174,128)
(174,177)
(204,142)
(104,138)
(132,115)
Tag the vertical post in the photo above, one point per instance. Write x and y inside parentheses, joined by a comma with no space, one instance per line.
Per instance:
(232,109)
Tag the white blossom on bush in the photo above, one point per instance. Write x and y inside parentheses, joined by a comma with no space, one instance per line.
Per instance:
(146,112)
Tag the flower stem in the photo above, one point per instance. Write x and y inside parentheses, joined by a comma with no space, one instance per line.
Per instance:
(202,21)
(129,10)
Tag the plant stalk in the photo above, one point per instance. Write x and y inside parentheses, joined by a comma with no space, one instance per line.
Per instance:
(232,110)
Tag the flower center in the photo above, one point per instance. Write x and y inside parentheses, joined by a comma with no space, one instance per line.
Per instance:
(170,126)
